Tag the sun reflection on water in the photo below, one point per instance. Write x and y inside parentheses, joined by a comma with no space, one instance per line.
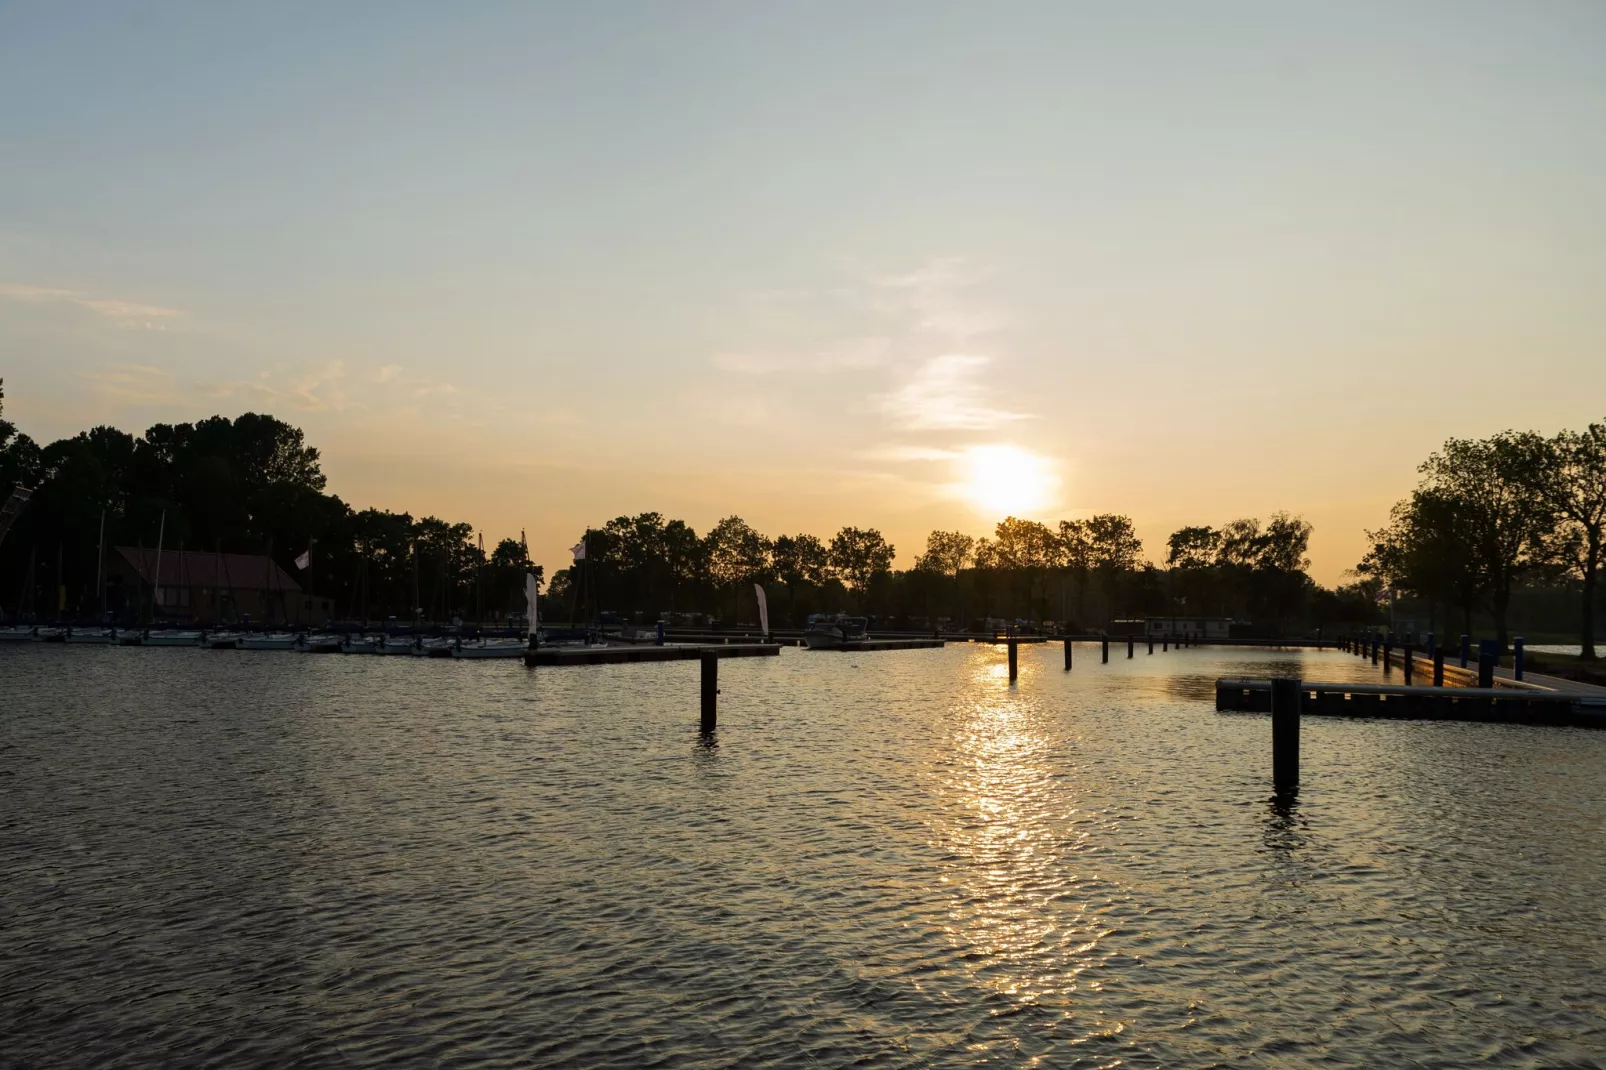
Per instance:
(1014,873)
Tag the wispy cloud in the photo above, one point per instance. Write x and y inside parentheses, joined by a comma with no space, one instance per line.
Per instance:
(128,315)
(138,383)
(944,394)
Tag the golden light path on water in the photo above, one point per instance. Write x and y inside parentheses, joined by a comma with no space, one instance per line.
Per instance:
(1015,863)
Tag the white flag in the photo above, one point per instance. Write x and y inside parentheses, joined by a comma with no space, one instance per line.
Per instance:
(304,560)
(531,597)
(763,609)
(579,550)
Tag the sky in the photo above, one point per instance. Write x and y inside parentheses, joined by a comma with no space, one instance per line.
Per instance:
(896,265)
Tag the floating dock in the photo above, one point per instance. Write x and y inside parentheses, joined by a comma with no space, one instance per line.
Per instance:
(616,653)
(858,645)
(1490,705)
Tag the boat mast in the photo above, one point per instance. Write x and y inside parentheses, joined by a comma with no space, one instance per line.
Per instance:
(156,587)
(100,568)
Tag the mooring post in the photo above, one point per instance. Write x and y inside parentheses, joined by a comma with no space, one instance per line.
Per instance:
(1438,668)
(1067,653)
(660,633)
(1285,699)
(1014,659)
(1409,655)
(1388,653)
(1516,658)
(1433,643)
(1466,649)
(1151,644)
(1486,658)
(1375,650)
(1129,642)
(1165,644)
(710,691)
(1104,649)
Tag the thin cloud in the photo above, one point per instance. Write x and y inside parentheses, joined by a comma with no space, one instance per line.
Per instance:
(128,315)
(139,383)
(943,395)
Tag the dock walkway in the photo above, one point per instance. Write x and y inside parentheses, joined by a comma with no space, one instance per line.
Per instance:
(617,653)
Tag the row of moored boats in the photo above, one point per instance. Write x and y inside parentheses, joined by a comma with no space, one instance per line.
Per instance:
(308,643)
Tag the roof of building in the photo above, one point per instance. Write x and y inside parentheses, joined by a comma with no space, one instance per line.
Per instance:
(193,568)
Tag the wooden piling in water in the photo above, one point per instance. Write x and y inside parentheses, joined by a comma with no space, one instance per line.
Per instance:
(710,692)
(1466,650)
(1067,654)
(1129,644)
(1409,654)
(1438,668)
(1486,659)
(1151,644)
(1286,696)
(1014,660)
(1104,649)
(1517,658)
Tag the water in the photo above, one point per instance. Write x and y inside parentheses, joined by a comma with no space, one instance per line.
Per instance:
(214,858)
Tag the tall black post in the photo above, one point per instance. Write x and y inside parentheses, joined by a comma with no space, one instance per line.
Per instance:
(1438,668)
(1165,645)
(1409,655)
(1388,654)
(1104,649)
(1129,642)
(1285,700)
(1151,644)
(1517,666)
(1375,650)
(1466,649)
(710,691)
(1486,658)
(1014,660)
(1067,653)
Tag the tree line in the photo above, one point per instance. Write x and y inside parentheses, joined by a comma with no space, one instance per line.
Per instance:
(247,485)
(1490,515)
(1081,574)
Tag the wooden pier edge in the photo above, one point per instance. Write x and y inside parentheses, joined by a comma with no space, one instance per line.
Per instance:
(1490,705)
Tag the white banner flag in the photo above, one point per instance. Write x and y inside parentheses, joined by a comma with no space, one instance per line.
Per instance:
(304,560)
(579,550)
(532,596)
(763,609)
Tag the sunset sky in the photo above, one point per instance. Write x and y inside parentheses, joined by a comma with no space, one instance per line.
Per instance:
(901,265)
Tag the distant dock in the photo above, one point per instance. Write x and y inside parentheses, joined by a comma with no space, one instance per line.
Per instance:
(619,653)
(886,644)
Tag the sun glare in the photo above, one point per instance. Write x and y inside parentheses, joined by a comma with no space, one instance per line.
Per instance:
(1000,481)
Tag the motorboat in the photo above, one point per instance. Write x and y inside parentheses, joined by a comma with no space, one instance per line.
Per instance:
(490,648)
(50,635)
(172,637)
(834,633)
(130,637)
(269,641)
(91,636)
(222,640)
(394,644)
(433,648)
(15,635)
(321,643)
(356,643)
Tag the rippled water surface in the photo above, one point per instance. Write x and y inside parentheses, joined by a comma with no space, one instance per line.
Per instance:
(894,859)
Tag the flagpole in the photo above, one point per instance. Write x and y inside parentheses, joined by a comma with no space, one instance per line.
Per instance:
(156,595)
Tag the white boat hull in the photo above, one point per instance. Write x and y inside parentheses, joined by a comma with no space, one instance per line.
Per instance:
(268,642)
(172,639)
(16,635)
(90,638)
(513,649)
(393,647)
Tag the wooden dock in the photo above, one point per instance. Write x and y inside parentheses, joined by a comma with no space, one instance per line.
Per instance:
(1492,705)
(618,653)
(861,645)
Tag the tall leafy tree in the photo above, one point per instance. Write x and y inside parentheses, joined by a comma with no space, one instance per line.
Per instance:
(858,556)
(1575,487)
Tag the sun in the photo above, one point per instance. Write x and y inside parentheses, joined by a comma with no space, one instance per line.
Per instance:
(1003,480)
